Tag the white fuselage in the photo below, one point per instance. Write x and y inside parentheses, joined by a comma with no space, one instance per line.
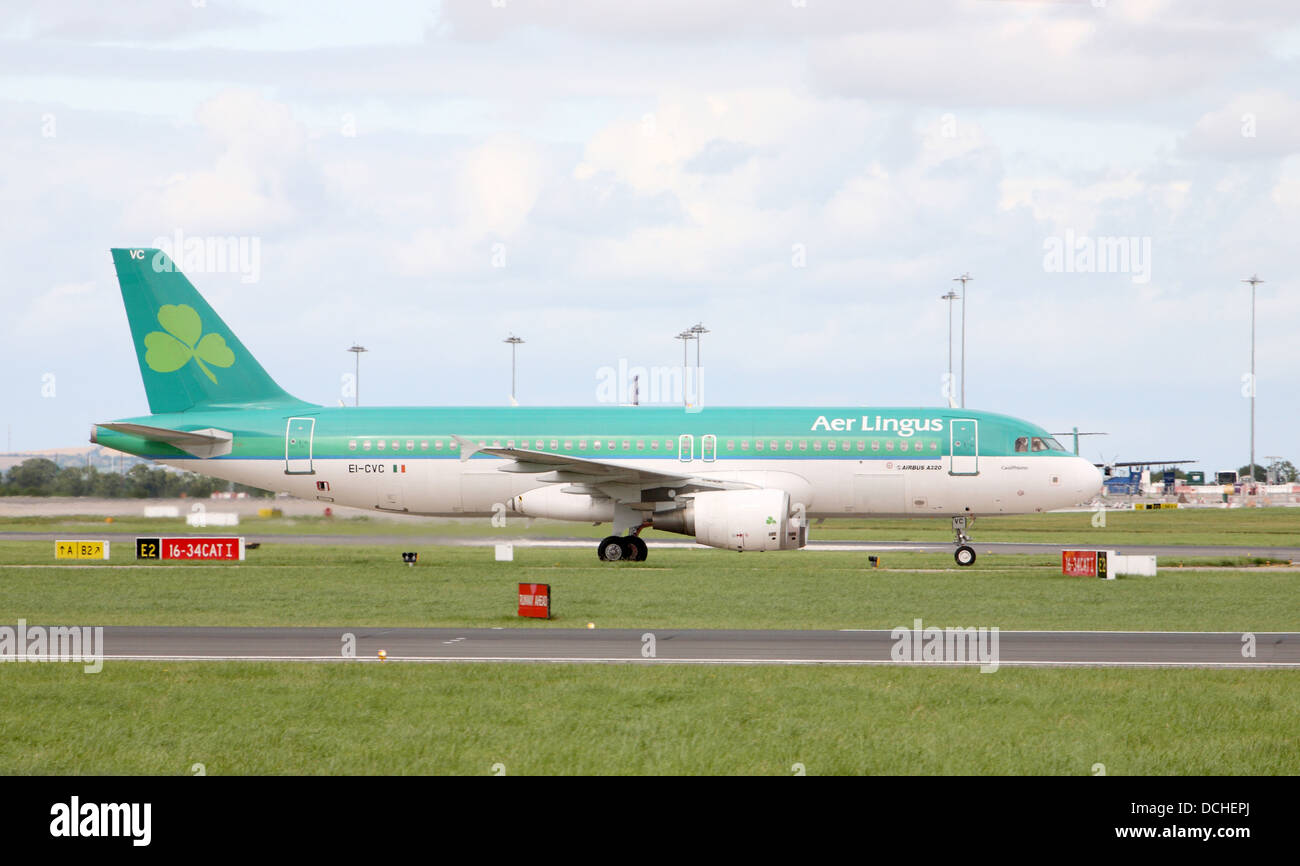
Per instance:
(907,487)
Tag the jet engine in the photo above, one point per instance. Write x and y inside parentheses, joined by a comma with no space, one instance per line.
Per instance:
(738,520)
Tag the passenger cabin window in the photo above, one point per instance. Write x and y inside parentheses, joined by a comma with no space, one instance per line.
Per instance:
(365,446)
(382,444)
(410,444)
(352,445)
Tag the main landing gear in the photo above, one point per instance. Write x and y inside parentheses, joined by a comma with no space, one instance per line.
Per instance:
(629,547)
(616,548)
(965,554)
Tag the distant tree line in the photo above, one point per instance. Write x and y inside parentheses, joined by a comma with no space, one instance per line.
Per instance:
(37,476)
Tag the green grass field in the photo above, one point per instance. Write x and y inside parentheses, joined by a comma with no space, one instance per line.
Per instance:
(590,719)
(143,717)
(354,586)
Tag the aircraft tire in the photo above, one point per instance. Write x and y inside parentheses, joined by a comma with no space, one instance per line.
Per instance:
(965,555)
(612,549)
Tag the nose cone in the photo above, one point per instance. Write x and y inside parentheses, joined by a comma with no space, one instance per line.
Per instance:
(1086,478)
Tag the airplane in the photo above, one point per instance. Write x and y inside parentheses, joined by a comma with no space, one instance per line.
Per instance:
(742,479)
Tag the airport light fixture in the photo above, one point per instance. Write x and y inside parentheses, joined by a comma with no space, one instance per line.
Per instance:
(699,331)
(950,297)
(685,336)
(356,350)
(514,345)
(963,279)
(1254,280)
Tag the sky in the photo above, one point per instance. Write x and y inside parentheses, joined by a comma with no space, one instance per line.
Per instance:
(804,177)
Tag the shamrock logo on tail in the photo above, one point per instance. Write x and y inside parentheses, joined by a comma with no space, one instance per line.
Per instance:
(168,352)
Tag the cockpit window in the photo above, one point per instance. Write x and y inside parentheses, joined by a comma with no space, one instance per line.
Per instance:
(1039,444)
(1054,445)
(1043,443)
(1022,444)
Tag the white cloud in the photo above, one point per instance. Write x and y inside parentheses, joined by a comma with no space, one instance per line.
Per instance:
(246,190)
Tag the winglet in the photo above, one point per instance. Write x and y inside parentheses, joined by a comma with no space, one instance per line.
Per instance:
(467,448)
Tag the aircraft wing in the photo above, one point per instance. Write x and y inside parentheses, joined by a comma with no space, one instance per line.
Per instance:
(201,443)
(621,483)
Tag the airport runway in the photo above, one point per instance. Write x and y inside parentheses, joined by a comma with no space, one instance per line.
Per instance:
(414,542)
(671,646)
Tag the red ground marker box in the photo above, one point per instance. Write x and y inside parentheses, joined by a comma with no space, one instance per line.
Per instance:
(535,600)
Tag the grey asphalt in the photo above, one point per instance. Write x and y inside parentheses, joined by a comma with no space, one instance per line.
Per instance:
(544,644)
(413,542)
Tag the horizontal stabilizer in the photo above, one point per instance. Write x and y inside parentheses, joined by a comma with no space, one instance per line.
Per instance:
(201,443)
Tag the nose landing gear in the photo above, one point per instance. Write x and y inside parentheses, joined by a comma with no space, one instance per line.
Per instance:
(964,554)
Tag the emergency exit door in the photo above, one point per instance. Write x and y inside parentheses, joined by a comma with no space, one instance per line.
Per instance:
(964,447)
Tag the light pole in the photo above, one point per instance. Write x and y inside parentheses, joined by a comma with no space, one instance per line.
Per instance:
(950,297)
(685,337)
(963,279)
(1254,281)
(699,331)
(514,344)
(356,351)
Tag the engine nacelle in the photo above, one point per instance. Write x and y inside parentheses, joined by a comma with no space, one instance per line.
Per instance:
(738,520)
(552,502)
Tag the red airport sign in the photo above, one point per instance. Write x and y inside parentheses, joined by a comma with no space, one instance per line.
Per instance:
(535,600)
(1085,563)
(188,547)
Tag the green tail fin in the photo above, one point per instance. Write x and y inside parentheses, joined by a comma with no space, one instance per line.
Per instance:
(188,357)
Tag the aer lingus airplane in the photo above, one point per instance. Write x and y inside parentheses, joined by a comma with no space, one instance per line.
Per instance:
(735,478)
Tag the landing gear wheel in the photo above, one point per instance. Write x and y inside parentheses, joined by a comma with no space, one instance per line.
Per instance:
(613,549)
(965,555)
(638,548)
